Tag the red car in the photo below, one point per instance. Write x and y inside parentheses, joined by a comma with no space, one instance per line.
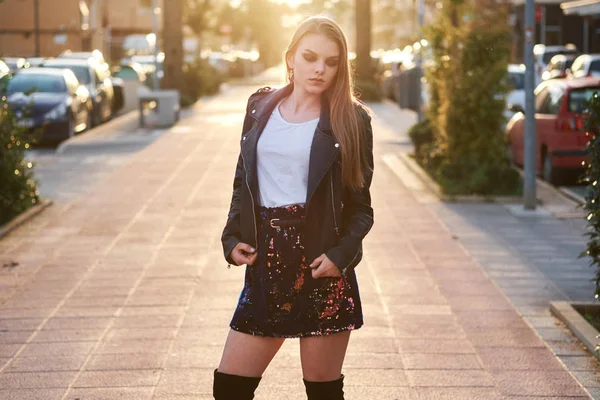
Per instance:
(560,137)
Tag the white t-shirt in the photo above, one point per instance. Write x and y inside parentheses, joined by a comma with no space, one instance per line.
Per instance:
(283,155)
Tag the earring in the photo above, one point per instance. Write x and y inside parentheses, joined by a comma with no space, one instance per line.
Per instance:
(291,75)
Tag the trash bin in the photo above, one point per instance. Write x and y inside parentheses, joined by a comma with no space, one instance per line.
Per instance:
(158,108)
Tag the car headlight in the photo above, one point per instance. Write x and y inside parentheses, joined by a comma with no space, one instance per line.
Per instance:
(57,112)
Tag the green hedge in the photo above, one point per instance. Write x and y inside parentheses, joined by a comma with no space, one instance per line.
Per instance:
(200,79)
(18,187)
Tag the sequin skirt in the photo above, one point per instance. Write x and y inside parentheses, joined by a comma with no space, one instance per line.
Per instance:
(280,297)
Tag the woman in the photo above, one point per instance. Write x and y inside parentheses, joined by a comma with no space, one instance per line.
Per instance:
(299,211)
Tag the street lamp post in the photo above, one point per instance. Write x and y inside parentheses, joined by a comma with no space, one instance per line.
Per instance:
(36,28)
(419,61)
(155,12)
(529,191)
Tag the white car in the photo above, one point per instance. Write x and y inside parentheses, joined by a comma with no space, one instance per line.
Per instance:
(516,76)
(585,65)
(543,54)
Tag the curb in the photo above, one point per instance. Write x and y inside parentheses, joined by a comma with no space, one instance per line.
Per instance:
(126,122)
(436,189)
(24,217)
(582,329)
(580,200)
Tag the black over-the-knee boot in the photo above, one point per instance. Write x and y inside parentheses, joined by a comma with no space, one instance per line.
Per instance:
(331,390)
(234,387)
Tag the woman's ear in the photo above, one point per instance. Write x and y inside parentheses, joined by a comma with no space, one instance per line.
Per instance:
(289,60)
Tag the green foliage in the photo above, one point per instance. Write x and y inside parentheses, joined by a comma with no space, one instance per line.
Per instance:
(471,50)
(592,195)
(200,79)
(421,135)
(18,190)
(367,90)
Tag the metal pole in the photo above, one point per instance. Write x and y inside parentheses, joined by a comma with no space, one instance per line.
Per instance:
(419,66)
(543,25)
(36,22)
(155,12)
(586,34)
(529,161)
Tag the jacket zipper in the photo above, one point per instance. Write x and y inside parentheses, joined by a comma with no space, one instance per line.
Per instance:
(337,231)
(251,199)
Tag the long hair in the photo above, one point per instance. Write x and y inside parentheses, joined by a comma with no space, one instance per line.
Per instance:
(344,107)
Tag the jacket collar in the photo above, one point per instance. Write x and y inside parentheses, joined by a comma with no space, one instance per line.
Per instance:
(267,104)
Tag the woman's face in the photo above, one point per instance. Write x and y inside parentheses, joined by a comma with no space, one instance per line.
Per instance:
(315,63)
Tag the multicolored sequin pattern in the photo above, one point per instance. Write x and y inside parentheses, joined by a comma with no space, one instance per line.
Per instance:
(281,298)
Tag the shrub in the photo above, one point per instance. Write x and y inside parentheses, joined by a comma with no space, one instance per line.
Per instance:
(200,79)
(18,190)
(471,48)
(368,90)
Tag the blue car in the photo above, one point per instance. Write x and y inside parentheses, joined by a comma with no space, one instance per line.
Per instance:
(50,100)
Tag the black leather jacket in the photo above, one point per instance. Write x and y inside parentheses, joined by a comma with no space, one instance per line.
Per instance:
(337,219)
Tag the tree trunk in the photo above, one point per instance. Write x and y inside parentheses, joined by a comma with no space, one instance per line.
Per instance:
(173,44)
(363,39)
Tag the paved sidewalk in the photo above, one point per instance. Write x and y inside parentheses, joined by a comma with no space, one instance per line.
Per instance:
(125,293)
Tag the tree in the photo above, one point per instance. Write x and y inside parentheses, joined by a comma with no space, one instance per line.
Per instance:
(364,69)
(470,42)
(173,44)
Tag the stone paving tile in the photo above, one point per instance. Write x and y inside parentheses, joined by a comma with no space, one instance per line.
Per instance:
(442,377)
(35,380)
(60,323)
(129,393)
(31,394)
(514,358)
(440,361)
(537,383)
(47,363)
(454,393)
(57,349)
(118,378)
(71,335)
(103,362)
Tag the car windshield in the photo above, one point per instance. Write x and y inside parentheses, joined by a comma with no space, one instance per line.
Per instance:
(24,83)
(549,54)
(579,97)
(81,72)
(517,80)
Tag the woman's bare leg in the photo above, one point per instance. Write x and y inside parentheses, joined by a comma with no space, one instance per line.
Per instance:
(248,355)
(323,356)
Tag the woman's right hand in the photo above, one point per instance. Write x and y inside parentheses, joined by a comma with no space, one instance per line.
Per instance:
(243,253)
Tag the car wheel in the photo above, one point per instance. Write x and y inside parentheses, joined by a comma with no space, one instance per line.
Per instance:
(549,173)
(96,116)
(70,127)
(88,120)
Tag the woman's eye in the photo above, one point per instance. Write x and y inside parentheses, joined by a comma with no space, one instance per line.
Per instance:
(309,58)
(332,63)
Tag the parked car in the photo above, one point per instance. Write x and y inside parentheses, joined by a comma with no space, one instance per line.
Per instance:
(543,54)
(51,100)
(516,77)
(15,63)
(95,55)
(558,67)
(585,65)
(96,81)
(4,77)
(561,140)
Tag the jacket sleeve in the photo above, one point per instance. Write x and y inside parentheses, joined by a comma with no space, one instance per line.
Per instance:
(231,233)
(357,214)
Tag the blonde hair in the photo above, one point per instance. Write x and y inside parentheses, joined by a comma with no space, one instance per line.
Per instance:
(346,122)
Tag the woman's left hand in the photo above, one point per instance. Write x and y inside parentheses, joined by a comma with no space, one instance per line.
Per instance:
(323,267)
